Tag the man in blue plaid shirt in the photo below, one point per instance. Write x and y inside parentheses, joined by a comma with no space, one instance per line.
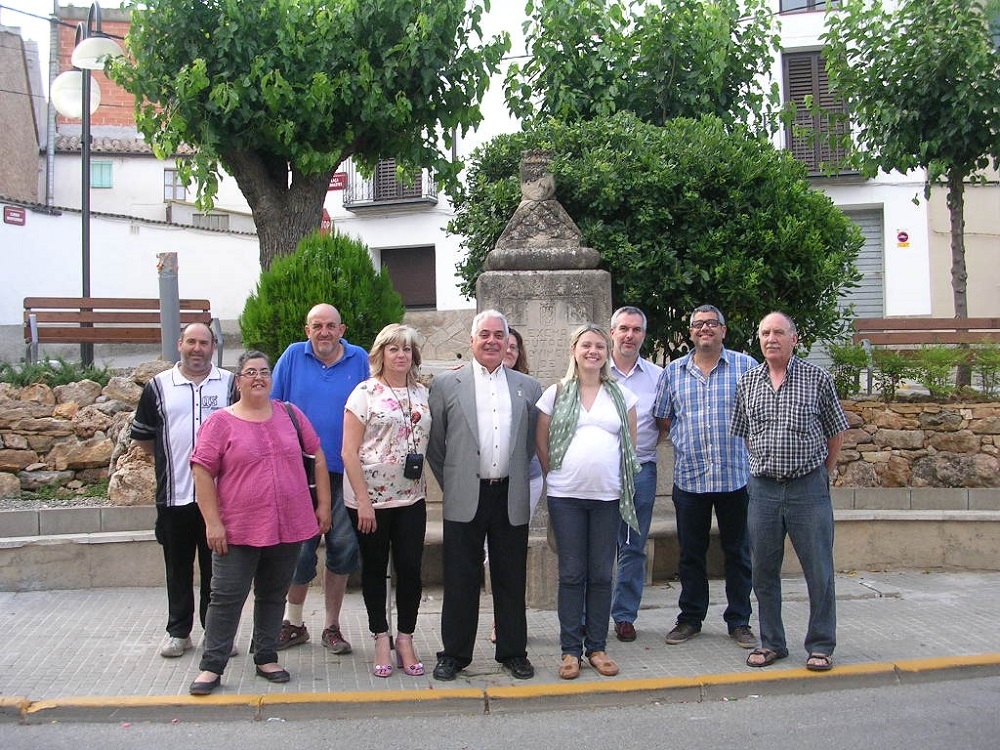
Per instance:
(788,412)
(694,401)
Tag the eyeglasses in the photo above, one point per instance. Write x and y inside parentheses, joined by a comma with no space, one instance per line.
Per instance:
(699,324)
(254,372)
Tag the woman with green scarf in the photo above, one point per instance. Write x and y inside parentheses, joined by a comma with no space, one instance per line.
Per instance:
(586,444)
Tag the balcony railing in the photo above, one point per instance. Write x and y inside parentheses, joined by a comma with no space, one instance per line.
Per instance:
(385,188)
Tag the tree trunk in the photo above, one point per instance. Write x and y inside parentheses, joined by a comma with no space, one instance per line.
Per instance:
(959,275)
(284,211)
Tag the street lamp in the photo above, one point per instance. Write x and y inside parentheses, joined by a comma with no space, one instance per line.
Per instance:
(75,95)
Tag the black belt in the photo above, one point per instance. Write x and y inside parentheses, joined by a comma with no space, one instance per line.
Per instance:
(494,482)
(784,480)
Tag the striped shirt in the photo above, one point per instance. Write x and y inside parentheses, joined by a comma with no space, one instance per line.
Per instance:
(706,457)
(787,429)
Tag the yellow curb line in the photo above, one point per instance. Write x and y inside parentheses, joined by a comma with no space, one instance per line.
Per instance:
(512,692)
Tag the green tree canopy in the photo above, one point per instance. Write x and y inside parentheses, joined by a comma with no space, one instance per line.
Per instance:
(280,92)
(921,87)
(684,214)
(656,58)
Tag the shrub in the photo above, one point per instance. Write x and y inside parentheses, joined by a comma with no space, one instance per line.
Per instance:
(52,372)
(891,368)
(324,268)
(934,366)
(986,364)
(849,360)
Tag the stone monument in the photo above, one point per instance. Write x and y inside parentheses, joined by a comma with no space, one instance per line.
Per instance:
(547,284)
(540,276)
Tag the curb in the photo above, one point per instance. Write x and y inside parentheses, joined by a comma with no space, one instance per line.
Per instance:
(502,699)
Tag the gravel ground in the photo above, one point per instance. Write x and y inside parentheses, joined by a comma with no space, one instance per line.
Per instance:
(29,501)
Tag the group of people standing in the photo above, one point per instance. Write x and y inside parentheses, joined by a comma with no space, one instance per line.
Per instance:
(756,443)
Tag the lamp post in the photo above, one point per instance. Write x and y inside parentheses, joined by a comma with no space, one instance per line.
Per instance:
(75,95)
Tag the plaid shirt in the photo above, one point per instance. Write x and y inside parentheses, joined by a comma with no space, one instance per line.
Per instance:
(787,430)
(706,457)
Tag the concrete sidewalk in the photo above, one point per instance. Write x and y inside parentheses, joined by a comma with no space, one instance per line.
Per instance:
(93,655)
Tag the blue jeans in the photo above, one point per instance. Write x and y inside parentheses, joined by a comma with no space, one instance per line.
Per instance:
(269,569)
(342,554)
(694,527)
(800,508)
(585,531)
(632,549)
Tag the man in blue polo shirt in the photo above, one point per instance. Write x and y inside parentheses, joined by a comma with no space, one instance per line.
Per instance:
(318,375)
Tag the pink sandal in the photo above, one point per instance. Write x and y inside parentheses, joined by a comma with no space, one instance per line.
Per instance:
(382,670)
(416,669)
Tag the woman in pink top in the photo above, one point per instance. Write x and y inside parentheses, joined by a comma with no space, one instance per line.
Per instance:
(251,488)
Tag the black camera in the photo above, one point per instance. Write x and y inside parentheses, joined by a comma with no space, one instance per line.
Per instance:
(414,466)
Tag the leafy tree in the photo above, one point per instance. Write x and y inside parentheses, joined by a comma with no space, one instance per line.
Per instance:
(684,214)
(280,92)
(658,58)
(325,268)
(921,87)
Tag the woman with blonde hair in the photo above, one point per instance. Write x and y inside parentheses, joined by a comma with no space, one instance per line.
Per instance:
(586,443)
(387,424)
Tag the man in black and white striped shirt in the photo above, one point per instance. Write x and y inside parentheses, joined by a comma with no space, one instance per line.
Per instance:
(788,412)
(171,410)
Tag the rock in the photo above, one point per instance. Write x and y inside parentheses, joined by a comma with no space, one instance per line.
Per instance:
(957,470)
(38,393)
(10,486)
(34,480)
(14,413)
(987,426)
(66,411)
(962,441)
(904,439)
(9,392)
(893,473)
(83,393)
(148,370)
(12,460)
(13,440)
(46,426)
(858,474)
(123,389)
(88,454)
(890,420)
(943,421)
(854,437)
(90,420)
(133,481)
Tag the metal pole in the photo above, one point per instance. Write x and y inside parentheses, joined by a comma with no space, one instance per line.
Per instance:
(170,306)
(86,350)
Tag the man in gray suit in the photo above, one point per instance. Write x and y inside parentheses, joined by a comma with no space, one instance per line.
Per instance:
(482,439)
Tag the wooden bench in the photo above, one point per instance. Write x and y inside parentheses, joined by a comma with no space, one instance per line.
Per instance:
(106,320)
(901,332)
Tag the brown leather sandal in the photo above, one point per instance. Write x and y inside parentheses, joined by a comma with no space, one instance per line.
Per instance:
(600,661)
(569,667)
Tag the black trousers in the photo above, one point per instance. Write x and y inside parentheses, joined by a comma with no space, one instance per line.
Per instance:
(180,530)
(463,575)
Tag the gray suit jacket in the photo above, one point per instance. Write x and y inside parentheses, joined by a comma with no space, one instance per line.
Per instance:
(453,453)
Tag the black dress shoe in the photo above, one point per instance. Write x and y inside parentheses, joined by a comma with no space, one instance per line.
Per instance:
(446,669)
(519,667)
(204,688)
(279,675)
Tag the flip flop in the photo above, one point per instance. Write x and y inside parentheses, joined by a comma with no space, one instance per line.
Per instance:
(824,663)
(769,655)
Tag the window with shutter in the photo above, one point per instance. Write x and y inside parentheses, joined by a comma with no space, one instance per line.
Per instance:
(790,6)
(809,135)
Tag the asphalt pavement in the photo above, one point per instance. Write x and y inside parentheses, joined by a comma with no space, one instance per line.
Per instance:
(93,655)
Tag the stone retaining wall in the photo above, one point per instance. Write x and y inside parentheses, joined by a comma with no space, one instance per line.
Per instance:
(920,445)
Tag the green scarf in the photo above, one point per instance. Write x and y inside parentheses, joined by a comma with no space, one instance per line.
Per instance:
(562,427)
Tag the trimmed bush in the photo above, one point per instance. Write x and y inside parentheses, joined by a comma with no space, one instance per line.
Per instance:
(324,268)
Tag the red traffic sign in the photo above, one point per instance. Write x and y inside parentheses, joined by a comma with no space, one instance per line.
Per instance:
(15,215)
(338,181)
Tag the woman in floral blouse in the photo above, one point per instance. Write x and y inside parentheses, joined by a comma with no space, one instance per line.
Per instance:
(386,426)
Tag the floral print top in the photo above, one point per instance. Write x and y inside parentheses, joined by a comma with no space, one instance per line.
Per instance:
(397,422)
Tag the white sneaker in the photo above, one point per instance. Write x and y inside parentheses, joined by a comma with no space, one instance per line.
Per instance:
(175,647)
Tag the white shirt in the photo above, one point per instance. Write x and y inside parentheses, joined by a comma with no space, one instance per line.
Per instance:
(493,413)
(643,380)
